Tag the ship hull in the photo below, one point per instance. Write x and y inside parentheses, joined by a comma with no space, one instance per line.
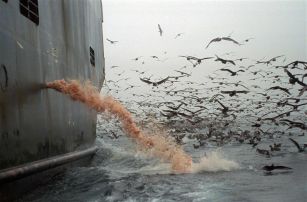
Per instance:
(57,40)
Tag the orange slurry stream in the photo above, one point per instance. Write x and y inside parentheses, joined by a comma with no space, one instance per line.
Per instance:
(158,145)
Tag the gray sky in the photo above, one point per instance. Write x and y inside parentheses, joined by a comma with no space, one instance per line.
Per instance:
(279,28)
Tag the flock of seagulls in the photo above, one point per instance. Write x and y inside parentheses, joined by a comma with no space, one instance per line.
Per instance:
(247,102)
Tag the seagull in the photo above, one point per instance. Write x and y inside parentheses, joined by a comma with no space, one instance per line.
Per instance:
(232,73)
(295,63)
(160,30)
(225,109)
(178,35)
(183,73)
(112,42)
(263,151)
(199,60)
(114,135)
(176,107)
(273,167)
(234,92)
(238,84)
(275,147)
(248,39)
(137,58)
(224,61)
(269,61)
(288,113)
(194,112)
(280,88)
(218,39)
(300,149)
(155,83)
(155,57)
(247,68)
(296,106)
(293,79)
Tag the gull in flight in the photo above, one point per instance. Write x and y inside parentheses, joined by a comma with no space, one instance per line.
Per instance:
(160,30)
(218,39)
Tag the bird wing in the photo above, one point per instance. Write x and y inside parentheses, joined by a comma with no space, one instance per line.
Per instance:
(232,62)
(296,144)
(162,81)
(146,81)
(242,91)
(206,58)
(276,57)
(213,40)
(184,115)
(282,167)
(221,104)
(170,111)
(302,91)
(226,91)
(228,70)
(230,39)
(179,106)
(296,79)
(183,73)
(280,88)
(110,40)
(243,86)
(290,75)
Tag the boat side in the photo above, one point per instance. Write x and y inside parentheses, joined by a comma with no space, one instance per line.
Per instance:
(42,41)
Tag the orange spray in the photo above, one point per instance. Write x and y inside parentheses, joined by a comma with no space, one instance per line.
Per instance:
(160,146)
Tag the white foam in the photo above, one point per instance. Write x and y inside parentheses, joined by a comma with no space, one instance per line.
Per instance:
(214,162)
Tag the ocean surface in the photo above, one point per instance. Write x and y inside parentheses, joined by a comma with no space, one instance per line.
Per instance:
(120,172)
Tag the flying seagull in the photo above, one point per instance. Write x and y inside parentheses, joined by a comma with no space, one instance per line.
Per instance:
(232,72)
(137,58)
(160,30)
(267,62)
(248,39)
(234,92)
(154,83)
(178,35)
(280,88)
(300,149)
(218,39)
(224,61)
(112,42)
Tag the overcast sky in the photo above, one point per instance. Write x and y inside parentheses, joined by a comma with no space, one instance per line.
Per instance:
(278,28)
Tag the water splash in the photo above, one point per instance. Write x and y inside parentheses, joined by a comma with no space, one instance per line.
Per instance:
(156,144)
(213,162)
